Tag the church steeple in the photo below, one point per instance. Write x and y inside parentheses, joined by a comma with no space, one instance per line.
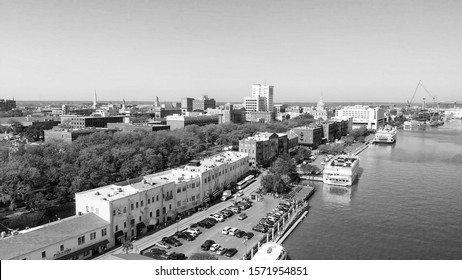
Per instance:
(95,103)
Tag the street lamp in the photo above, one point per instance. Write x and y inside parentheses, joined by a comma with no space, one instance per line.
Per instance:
(178,223)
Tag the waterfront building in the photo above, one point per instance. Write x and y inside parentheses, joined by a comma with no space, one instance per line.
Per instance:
(80,122)
(73,238)
(367,116)
(137,206)
(70,135)
(7,105)
(176,121)
(341,170)
(203,103)
(311,136)
(386,134)
(270,251)
(262,148)
(255,103)
(455,113)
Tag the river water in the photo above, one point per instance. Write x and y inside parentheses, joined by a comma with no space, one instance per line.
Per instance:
(407,203)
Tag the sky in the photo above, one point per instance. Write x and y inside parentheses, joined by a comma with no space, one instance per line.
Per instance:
(136,50)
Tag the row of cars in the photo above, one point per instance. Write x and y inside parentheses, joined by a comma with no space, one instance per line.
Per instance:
(270,219)
(167,242)
(238,233)
(210,245)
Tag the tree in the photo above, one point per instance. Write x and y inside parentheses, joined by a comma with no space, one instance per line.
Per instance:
(309,169)
(203,256)
(127,246)
(285,165)
(302,154)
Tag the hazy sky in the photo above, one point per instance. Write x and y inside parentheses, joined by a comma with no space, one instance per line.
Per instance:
(343,50)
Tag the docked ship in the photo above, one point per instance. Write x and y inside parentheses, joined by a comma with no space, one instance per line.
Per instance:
(270,251)
(385,134)
(341,170)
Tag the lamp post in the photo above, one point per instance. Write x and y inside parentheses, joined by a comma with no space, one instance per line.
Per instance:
(178,219)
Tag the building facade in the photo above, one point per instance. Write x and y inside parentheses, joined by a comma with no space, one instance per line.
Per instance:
(73,238)
(70,135)
(79,122)
(7,105)
(203,104)
(187,104)
(177,122)
(372,118)
(311,136)
(262,148)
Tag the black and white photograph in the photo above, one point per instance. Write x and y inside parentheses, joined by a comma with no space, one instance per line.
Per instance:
(324,133)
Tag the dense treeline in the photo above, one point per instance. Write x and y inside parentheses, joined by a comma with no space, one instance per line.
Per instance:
(37,176)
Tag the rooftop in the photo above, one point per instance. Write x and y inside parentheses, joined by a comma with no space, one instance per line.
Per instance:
(342,161)
(49,234)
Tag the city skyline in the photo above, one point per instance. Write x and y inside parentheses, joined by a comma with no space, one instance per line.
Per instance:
(344,51)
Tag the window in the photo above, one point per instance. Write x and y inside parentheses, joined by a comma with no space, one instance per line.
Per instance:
(170,207)
(44,254)
(104,232)
(150,214)
(125,224)
(178,204)
(149,200)
(132,222)
(157,213)
(178,190)
(142,203)
(184,188)
(61,248)
(86,208)
(132,206)
(137,204)
(140,219)
(86,253)
(117,228)
(81,240)
(125,209)
(157,197)
(113,212)
(92,235)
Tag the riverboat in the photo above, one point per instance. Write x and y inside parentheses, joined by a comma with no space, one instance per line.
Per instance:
(385,134)
(270,251)
(341,170)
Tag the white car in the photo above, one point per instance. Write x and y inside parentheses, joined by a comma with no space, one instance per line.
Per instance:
(214,247)
(163,245)
(226,230)
(218,217)
(192,232)
(233,231)
(240,193)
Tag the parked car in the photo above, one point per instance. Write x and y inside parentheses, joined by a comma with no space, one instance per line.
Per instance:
(185,236)
(233,231)
(242,216)
(221,251)
(163,245)
(211,220)
(172,241)
(235,209)
(248,235)
(260,228)
(239,233)
(217,217)
(157,251)
(205,223)
(193,231)
(177,256)
(226,214)
(240,193)
(225,230)
(206,245)
(231,252)
(214,247)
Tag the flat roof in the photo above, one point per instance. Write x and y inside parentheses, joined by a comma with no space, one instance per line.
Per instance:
(114,192)
(49,234)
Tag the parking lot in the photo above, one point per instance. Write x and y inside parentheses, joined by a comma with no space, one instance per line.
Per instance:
(254,213)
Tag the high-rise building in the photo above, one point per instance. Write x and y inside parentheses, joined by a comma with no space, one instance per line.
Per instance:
(7,104)
(367,116)
(266,92)
(203,103)
(95,103)
(186,104)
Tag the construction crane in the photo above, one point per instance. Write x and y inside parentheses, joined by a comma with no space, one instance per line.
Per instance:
(436,104)
(415,91)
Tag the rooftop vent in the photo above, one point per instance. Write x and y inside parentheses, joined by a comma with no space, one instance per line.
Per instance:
(97,193)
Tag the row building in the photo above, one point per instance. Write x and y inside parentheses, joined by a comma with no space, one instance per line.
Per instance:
(108,215)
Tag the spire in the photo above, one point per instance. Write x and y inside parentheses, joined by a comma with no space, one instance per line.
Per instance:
(95,103)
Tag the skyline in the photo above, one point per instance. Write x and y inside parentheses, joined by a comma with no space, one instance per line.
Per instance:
(344,51)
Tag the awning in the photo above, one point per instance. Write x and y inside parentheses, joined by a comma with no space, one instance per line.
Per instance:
(140,225)
(118,234)
(81,251)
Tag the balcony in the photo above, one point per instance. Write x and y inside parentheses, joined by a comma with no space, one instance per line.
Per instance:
(168,197)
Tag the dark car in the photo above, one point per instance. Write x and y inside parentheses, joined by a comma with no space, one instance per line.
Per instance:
(184,235)
(260,228)
(204,223)
(212,221)
(194,225)
(157,251)
(231,252)
(206,245)
(226,213)
(248,235)
(239,234)
(172,241)
(177,256)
